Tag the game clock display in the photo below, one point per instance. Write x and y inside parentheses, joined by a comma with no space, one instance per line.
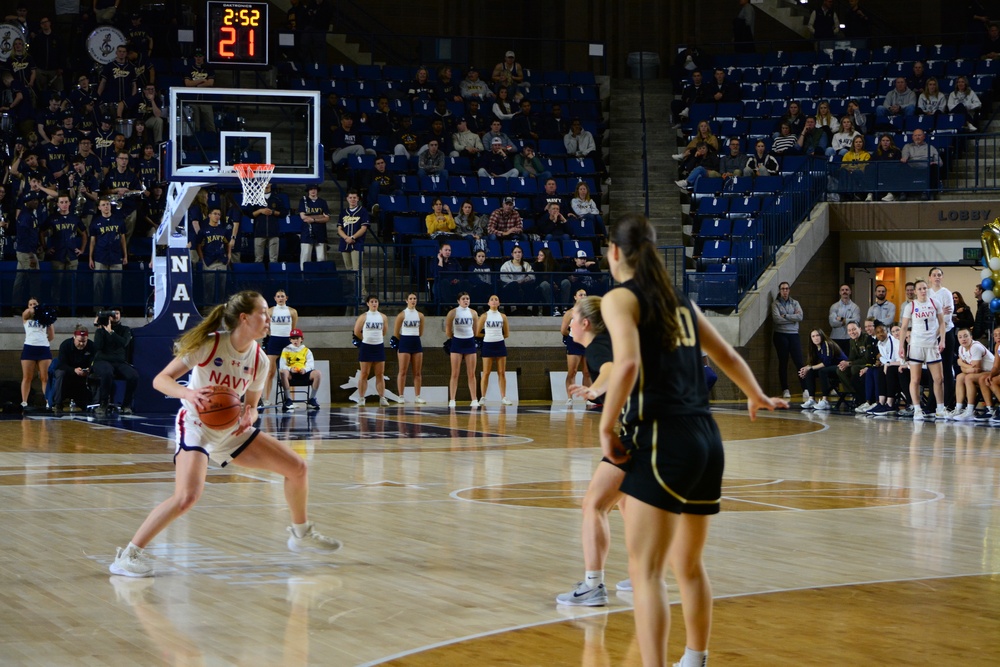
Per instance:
(237,33)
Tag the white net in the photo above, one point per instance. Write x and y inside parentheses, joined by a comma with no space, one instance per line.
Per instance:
(254,178)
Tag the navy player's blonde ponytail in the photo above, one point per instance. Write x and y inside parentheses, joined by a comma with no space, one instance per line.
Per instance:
(227,314)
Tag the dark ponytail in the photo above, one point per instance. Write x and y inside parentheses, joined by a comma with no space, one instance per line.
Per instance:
(636,239)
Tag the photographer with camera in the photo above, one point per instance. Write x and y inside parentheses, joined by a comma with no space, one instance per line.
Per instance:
(111,343)
(76,355)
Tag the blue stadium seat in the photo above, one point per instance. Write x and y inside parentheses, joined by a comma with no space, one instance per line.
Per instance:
(708,186)
(713,207)
(369,72)
(960,68)
(733,128)
(582,78)
(420,204)
(398,73)
(757,109)
(397,163)
(361,162)
(341,71)
(728,111)
(715,228)
(551,147)
(842,72)
(874,71)
(555,94)
(494,186)
(746,228)
(766,185)
(524,186)
(714,250)
(581,228)
(525,246)
(743,207)
(753,91)
(555,166)
(580,166)
(760,127)
(460,248)
(570,248)
(792,163)
(555,247)
(404,226)
(583,94)
(756,75)
(556,78)
(700,112)
(392,204)
(835,88)
(949,123)
(925,123)
(463,184)
(738,186)
(409,183)
(746,250)
(434,184)
(805,90)
(458,165)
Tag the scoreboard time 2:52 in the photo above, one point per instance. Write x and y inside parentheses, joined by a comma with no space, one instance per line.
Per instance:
(237,33)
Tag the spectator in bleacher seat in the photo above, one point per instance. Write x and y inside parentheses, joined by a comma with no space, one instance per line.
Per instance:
(991,45)
(825,120)
(49,118)
(735,161)
(917,81)
(109,159)
(503,105)
(785,143)
(471,226)
(56,161)
(703,162)
(857,23)
(761,162)
(584,207)
(481,280)
(517,279)
(329,119)
(22,66)
(842,312)
(580,143)
(139,36)
(421,88)
(83,97)
(852,166)
(215,255)
(16,99)
(497,163)
(823,23)
(198,75)
(812,140)
(546,267)
(554,126)
(793,117)
(266,222)
(476,119)
(688,60)
(505,222)
(443,113)
(431,162)
(383,121)
(118,82)
(145,72)
(932,101)
(702,134)
(438,133)
(352,229)
(346,142)
(843,139)
(584,274)
(525,124)
(720,90)
(824,357)
(695,92)
(108,251)
(439,221)
(314,213)
(51,54)
(445,87)
(31,217)
(786,316)
(962,317)
(405,141)
(743,28)
(964,100)
(984,318)
(496,132)
(552,225)
(528,165)
(882,310)
(91,160)
(147,106)
(920,155)
(886,151)
(858,119)
(121,180)
(65,241)
(446,287)
(466,143)
(508,73)
(80,179)
(473,88)
(546,198)
(900,101)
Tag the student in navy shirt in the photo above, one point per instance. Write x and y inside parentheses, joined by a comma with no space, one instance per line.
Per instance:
(315,213)
(107,252)
(28,242)
(214,252)
(66,240)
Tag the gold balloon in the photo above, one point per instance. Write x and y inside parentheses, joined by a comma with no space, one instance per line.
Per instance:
(990,238)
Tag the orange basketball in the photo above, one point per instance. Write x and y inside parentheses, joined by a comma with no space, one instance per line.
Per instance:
(223,410)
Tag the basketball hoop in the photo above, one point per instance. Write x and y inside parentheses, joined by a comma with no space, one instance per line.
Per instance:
(254,178)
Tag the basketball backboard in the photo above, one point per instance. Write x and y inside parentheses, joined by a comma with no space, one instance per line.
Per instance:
(211,129)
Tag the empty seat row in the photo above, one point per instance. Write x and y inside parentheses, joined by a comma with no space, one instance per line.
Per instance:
(941,69)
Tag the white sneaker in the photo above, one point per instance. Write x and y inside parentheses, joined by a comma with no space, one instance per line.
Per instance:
(786,394)
(624,585)
(585,597)
(869,197)
(918,415)
(971,128)
(863,408)
(383,401)
(809,404)
(682,184)
(888,197)
(805,394)
(569,401)
(678,157)
(823,405)
(419,401)
(482,402)
(131,562)
(451,404)
(966,415)
(506,401)
(474,404)
(952,414)
(312,541)
(941,413)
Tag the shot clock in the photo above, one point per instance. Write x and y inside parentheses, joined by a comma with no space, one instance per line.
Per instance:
(237,33)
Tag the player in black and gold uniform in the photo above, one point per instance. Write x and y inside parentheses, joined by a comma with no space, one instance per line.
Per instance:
(657,388)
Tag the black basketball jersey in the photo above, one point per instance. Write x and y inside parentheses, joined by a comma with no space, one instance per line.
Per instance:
(669,383)
(597,354)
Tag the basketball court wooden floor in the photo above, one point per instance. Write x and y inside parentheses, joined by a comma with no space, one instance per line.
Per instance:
(843,541)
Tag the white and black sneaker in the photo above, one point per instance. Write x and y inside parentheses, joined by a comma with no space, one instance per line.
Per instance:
(582,596)
(131,562)
(312,541)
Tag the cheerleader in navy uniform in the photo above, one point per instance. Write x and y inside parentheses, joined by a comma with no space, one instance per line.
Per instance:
(460,330)
(407,331)
(575,360)
(37,351)
(222,350)
(370,328)
(667,434)
(283,319)
(494,329)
